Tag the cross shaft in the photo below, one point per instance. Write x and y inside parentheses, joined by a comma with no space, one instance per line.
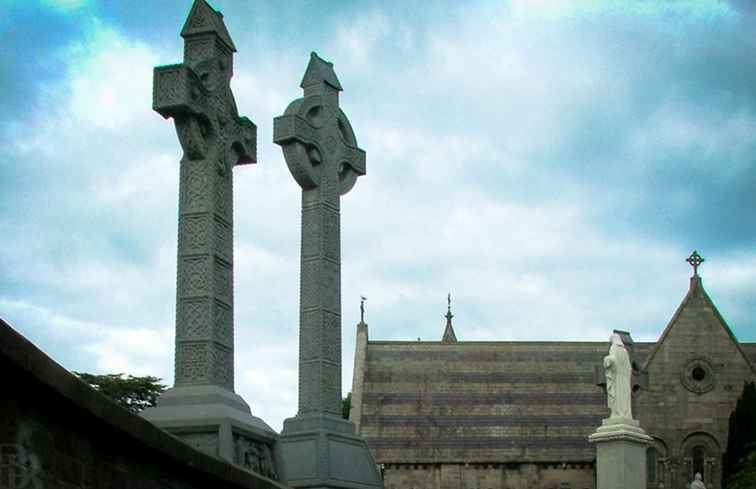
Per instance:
(197,95)
(322,154)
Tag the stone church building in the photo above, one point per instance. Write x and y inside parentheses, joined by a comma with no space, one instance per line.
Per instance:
(455,414)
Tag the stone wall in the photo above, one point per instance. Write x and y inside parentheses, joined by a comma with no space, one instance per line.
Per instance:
(57,432)
(488,476)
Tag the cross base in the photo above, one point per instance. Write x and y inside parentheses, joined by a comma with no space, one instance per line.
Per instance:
(218,422)
(322,451)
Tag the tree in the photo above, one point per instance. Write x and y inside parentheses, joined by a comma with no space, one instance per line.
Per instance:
(346,406)
(745,477)
(742,436)
(132,393)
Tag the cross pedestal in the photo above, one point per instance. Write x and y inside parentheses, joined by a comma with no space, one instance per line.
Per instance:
(202,407)
(317,448)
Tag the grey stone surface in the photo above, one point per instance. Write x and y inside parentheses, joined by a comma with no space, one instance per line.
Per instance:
(58,432)
(317,448)
(202,407)
(620,454)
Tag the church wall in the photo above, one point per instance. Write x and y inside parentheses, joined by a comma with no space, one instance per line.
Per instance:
(488,476)
(695,378)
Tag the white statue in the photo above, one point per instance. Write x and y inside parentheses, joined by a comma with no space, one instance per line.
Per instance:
(697,483)
(618,372)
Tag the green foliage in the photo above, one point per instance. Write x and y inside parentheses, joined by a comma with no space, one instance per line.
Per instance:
(745,477)
(132,393)
(346,406)
(740,458)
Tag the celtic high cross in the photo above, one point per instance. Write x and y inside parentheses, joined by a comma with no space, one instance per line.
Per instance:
(322,154)
(197,95)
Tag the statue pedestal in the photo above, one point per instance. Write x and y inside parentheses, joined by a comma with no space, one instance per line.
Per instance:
(620,454)
(218,422)
(321,451)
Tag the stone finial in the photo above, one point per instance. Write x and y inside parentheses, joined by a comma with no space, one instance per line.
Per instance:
(320,71)
(449,336)
(203,19)
(695,261)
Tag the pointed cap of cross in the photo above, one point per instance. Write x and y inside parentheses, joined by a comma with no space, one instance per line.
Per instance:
(319,71)
(204,19)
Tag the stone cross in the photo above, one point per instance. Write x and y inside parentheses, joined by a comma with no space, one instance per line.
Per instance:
(322,155)
(695,260)
(197,95)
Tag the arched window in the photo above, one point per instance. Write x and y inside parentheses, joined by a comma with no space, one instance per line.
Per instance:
(699,456)
(651,464)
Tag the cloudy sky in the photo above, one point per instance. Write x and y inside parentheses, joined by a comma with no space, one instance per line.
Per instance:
(551,163)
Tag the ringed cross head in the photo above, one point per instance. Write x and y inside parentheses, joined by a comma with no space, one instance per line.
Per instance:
(317,139)
(197,94)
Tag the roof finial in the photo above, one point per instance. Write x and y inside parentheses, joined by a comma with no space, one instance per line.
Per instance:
(362,308)
(449,336)
(695,261)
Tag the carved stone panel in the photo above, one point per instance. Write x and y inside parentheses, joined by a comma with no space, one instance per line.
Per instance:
(223,327)
(223,240)
(254,455)
(193,234)
(192,363)
(194,276)
(223,281)
(223,366)
(196,185)
(193,320)
(309,334)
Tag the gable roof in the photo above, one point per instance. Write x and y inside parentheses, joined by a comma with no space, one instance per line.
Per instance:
(696,289)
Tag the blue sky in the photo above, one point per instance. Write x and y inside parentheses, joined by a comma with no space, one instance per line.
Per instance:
(551,163)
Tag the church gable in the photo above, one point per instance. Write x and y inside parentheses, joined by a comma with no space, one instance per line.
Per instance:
(695,373)
(698,337)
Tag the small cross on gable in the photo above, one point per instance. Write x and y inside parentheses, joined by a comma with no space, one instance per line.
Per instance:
(695,261)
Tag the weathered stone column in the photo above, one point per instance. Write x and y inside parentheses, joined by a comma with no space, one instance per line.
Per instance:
(202,407)
(318,448)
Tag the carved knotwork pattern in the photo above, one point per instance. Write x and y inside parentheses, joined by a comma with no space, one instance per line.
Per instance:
(309,387)
(223,367)
(310,232)
(330,285)
(331,383)
(194,320)
(331,334)
(193,235)
(199,50)
(196,185)
(223,281)
(167,87)
(309,294)
(309,344)
(331,234)
(255,456)
(223,195)
(223,325)
(223,241)
(191,363)
(194,276)
(198,20)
